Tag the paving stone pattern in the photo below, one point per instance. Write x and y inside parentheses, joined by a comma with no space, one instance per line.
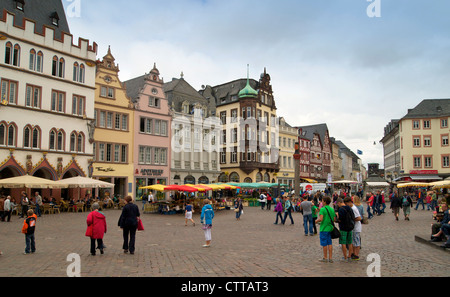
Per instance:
(251,247)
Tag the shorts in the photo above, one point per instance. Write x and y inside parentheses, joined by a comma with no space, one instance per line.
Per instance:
(188,215)
(356,238)
(346,237)
(325,238)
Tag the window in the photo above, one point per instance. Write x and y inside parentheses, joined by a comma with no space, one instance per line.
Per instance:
(33,97)
(427,141)
(8,134)
(16,55)
(146,126)
(417,162)
(78,72)
(39,61)
(223,157)
(428,161)
(58,101)
(444,123)
(109,120)
(8,52)
(58,67)
(426,124)
(78,105)
(9,91)
(153,102)
(446,161)
(416,141)
(32,65)
(444,140)
(107,92)
(31,137)
(57,140)
(416,125)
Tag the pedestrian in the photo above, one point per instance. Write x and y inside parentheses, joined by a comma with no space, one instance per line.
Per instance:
(188,213)
(420,198)
(28,228)
(346,221)
(314,210)
(406,205)
(377,203)
(39,203)
(206,220)
(434,201)
(238,208)
(7,208)
(436,229)
(326,219)
(287,210)
(383,203)
(360,207)
(370,205)
(279,210)
(428,200)
(128,222)
(305,207)
(357,229)
(262,200)
(269,201)
(24,202)
(96,228)
(396,204)
(2,208)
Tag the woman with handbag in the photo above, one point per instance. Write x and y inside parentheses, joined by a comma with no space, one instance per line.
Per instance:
(96,228)
(326,218)
(128,222)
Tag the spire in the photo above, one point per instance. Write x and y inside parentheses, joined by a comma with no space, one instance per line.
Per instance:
(248,91)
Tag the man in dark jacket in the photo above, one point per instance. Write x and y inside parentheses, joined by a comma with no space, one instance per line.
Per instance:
(396,204)
(128,222)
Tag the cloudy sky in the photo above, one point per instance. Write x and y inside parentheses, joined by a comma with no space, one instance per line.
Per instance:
(329,61)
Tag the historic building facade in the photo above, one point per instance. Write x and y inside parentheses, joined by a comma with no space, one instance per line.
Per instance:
(423,135)
(250,131)
(152,131)
(288,136)
(196,132)
(47,94)
(114,130)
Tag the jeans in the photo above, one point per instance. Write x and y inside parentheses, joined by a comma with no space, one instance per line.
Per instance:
(420,201)
(308,220)
(288,212)
(30,244)
(280,216)
(369,213)
(38,210)
(238,214)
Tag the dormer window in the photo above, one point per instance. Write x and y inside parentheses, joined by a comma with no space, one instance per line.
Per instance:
(54,18)
(20,4)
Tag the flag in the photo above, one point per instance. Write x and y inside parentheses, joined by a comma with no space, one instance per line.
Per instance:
(359,152)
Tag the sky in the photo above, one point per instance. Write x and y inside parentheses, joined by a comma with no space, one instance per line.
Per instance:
(352,64)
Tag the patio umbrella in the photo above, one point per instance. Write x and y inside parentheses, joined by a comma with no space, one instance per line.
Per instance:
(441,184)
(157,187)
(182,188)
(201,188)
(413,184)
(29,181)
(84,183)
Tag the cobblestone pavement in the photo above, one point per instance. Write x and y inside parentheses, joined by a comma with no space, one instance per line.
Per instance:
(251,247)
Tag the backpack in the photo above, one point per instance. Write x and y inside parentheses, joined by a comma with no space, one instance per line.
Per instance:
(348,221)
(405,201)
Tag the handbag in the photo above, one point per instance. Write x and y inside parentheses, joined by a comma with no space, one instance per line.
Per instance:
(140,225)
(335,233)
(89,231)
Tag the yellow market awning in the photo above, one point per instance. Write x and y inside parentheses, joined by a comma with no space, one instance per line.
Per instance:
(413,184)
(154,187)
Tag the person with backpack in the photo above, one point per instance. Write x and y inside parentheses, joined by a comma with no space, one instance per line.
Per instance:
(406,205)
(396,204)
(346,220)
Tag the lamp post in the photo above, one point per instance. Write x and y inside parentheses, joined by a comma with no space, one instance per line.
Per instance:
(297,170)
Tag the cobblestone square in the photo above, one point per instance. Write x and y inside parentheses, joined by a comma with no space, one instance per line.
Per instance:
(251,247)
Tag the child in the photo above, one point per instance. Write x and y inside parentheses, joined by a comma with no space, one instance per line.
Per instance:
(188,214)
(29,225)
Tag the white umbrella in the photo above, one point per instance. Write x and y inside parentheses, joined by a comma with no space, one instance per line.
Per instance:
(84,183)
(29,181)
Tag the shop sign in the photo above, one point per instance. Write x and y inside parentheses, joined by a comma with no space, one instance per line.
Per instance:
(152,172)
(423,172)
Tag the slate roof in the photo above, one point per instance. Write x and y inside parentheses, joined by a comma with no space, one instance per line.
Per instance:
(430,108)
(134,87)
(320,129)
(40,12)
(179,90)
(223,93)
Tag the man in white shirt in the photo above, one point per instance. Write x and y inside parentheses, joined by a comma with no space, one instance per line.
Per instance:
(150,198)
(356,230)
